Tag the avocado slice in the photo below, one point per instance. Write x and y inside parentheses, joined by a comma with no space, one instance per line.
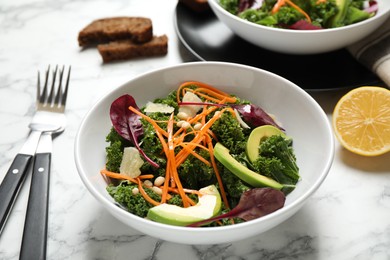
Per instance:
(255,137)
(338,19)
(241,171)
(209,205)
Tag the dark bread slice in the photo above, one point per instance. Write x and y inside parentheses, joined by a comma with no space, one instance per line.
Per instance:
(138,29)
(127,49)
(196,5)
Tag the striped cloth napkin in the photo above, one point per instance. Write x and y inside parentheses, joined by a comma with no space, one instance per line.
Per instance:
(374,52)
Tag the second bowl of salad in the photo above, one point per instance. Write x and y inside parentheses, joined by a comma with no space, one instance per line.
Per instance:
(302,27)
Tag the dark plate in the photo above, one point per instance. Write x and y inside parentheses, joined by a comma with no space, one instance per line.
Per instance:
(210,40)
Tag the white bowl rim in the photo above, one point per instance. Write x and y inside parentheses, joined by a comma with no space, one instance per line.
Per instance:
(215,3)
(298,202)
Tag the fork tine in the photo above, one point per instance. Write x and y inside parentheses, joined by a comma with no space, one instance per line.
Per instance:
(52,89)
(43,95)
(63,100)
(59,89)
(38,88)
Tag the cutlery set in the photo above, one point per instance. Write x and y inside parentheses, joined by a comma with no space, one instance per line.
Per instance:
(48,120)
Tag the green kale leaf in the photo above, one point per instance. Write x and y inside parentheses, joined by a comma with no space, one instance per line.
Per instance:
(321,13)
(230,133)
(288,15)
(277,160)
(114,150)
(233,185)
(230,5)
(194,173)
(176,199)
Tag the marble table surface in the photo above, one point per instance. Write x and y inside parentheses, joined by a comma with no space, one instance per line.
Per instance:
(347,218)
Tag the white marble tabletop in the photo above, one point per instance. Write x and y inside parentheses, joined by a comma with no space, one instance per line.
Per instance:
(347,218)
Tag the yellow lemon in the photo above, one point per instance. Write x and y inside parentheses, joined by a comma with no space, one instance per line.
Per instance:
(361,121)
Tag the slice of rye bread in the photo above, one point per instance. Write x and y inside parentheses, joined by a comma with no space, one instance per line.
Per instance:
(127,49)
(196,5)
(138,29)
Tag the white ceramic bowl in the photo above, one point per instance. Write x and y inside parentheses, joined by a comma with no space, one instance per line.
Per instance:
(301,116)
(301,42)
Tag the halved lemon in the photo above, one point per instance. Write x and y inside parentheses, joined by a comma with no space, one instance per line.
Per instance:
(361,120)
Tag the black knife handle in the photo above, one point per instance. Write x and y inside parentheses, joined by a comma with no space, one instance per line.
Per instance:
(11,184)
(35,227)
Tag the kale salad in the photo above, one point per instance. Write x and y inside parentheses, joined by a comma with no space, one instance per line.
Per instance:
(198,157)
(302,14)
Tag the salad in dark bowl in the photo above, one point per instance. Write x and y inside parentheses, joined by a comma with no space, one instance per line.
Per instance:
(302,14)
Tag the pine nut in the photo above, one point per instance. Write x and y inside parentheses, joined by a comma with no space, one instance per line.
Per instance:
(157,190)
(182,115)
(159,181)
(180,123)
(148,183)
(198,126)
(186,125)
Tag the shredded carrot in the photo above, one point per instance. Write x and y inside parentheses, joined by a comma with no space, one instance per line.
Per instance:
(173,166)
(189,191)
(212,135)
(190,201)
(202,115)
(281,3)
(202,85)
(146,176)
(296,7)
(199,92)
(206,97)
(153,122)
(217,96)
(165,188)
(117,175)
(200,158)
(277,6)
(219,223)
(203,118)
(219,179)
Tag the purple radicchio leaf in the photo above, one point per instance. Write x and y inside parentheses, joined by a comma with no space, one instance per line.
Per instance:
(304,25)
(246,4)
(255,116)
(373,7)
(254,203)
(128,124)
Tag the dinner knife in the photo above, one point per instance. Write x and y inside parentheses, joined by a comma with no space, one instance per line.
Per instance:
(34,239)
(15,176)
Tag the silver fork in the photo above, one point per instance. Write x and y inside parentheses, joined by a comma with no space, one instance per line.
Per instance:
(48,119)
